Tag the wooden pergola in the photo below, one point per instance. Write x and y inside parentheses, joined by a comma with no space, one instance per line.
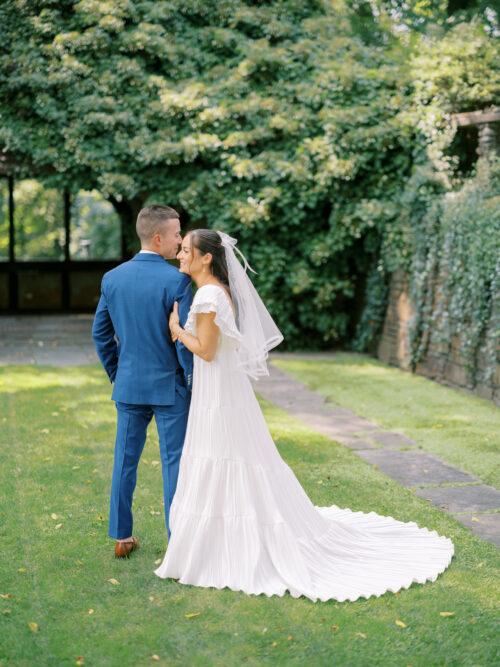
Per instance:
(486,123)
(51,285)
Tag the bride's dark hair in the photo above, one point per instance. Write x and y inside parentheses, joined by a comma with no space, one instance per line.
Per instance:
(207,240)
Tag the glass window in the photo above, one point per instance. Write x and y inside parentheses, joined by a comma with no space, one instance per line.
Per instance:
(4,219)
(38,221)
(95,227)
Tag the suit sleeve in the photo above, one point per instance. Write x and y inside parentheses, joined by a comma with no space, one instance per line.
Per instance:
(103,334)
(184,298)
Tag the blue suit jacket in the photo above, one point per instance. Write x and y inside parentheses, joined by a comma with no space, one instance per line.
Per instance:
(131,333)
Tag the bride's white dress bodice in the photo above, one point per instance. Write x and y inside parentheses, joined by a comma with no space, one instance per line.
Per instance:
(241,519)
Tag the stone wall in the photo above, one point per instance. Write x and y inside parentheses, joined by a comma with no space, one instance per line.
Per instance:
(441,363)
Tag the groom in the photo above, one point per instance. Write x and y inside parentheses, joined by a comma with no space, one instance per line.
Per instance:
(151,375)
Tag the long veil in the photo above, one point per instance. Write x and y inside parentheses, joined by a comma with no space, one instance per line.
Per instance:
(259,333)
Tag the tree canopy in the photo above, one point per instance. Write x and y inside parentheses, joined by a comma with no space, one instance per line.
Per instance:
(293,125)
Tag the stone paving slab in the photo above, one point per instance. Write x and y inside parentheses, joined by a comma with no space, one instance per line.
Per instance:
(352,442)
(289,394)
(486,526)
(389,440)
(64,357)
(456,499)
(413,468)
(52,340)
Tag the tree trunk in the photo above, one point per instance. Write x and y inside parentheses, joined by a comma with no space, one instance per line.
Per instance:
(128,210)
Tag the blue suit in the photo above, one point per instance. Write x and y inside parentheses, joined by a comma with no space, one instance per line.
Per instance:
(150,374)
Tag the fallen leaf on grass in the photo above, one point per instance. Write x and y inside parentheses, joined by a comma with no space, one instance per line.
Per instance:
(5,596)
(158,561)
(58,525)
(45,431)
(55,414)
(447,613)
(33,626)
(151,598)
(54,516)
(115,582)
(400,624)
(290,637)
(155,657)
(75,467)
(274,644)
(192,614)
(264,630)
(22,569)
(90,612)
(361,634)
(80,660)
(335,627)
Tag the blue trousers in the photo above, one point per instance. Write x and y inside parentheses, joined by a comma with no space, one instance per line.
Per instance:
(133,421)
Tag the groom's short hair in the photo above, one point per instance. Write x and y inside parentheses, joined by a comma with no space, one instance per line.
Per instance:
(151,219)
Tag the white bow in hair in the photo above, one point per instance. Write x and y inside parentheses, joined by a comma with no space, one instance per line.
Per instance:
(230,242)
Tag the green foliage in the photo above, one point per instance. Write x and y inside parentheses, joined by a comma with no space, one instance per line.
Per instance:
(455,273)
(291,125)
(4,220)
(38,214)
(426,15)
(370,324)
(95,228)
(419,237)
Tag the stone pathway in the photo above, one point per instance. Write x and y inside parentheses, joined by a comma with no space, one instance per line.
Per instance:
(49,340)
(474,504)
(64,340)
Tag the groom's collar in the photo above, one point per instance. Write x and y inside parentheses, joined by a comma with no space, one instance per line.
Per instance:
(148,257)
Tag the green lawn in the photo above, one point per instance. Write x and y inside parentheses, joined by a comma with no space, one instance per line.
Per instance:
(56,560)
(460,428)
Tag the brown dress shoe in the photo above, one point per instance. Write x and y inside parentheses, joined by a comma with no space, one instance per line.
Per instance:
(124,549)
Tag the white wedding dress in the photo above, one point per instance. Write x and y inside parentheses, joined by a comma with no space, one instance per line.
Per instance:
(241,519)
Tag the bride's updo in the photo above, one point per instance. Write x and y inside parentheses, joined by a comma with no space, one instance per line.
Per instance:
(207,240)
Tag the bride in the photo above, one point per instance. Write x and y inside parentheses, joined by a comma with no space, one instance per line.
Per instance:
(239,517)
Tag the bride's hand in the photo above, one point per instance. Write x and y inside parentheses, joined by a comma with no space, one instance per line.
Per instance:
(173,321)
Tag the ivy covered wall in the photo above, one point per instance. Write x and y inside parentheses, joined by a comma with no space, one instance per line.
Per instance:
(443,318)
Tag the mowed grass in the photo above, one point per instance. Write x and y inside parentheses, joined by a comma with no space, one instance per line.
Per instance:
(460,428)
(56,567)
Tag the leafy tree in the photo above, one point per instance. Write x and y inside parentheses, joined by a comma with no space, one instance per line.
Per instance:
(292,124)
